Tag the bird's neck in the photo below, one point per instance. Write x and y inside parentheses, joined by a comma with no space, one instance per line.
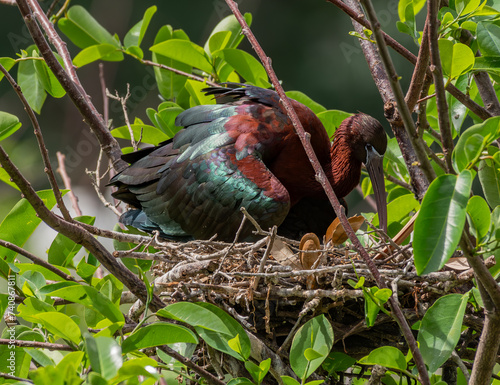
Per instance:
(345,171)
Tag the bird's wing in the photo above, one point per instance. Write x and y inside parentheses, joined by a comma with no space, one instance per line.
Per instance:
(197,183)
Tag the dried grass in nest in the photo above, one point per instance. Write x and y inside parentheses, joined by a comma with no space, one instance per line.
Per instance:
(272,301)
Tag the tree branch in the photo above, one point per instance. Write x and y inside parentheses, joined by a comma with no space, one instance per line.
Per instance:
(480,111)
(36,344)
(76,232)
(437,73)
(67,183)
(41,144)
(36,260)
(75,91)
(398,314)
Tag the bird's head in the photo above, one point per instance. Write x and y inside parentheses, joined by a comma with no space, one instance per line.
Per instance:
(368,142)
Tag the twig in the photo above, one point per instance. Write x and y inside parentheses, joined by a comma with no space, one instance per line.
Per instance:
(36,260)
(328,189)
(418,179)
(397,181)
(6,375)
(458,361)
(123,102)
(67,183)
(178,72)
(437,73)
(51,8)
(460,96)
(36,344)
(419,73)
(8,2)
(77,233)
(41,144)
(263,261)
(425,164)
(209,377)
(79,97)
(105,101)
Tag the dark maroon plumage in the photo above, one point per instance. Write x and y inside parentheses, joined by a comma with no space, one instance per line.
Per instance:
(245,153)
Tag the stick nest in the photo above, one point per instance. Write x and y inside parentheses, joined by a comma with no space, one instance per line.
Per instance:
(272,298)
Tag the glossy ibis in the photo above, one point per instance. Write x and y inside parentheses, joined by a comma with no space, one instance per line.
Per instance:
(244,152)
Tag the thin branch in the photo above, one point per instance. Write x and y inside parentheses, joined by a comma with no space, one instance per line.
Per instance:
(123,102)
(209,377)
(397,181)
(36,344)
(79,97)
(36,260)
(67,183)
(418,179)
(398,93)
(480,111)
(437,73)
(76,232)
(419,73)
(41,144)
(178,72)
(321,177)
(6,375)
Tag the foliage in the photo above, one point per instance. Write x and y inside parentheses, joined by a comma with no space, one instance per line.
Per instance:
(67,303)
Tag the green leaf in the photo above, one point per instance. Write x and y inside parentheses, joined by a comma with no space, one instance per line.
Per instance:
(32,307)
(258,372)
(83,30)
(397,211)
(47,78)
(232,25)
(197,96)
(63,250)
(218,40)
(8,125)
(7,63)
(147,134)
(245,64)
(456,59)
(287,380)
(441,220)
(489,64)
(220,341)
(21,221)
(90,54)
(332,119)
(159,333)
(30,84)
(4,177)
(489,176)
(104,354)
(307,101)
(185,52)
(136,34)
(403,4)
(169,83)
(241,381)
(440,329)
(338,362)
(488,38)
(87,296)
(479,215)
(316,334)
(464,7)
(387,356)
(489,130)
(59,324)
(165,120)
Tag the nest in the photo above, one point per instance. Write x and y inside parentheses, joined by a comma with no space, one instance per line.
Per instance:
(272,296)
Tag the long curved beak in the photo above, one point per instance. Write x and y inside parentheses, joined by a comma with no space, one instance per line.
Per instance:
(375,166)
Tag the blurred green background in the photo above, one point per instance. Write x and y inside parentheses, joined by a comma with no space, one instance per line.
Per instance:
(308,41)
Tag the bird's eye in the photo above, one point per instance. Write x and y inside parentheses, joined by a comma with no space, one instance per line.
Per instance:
(369,147)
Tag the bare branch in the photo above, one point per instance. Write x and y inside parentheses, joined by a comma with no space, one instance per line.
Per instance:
(76,232)
(36,260)
(67,183)
(437,73)
(75,91)
(36,344)
(41,144)
(460,96)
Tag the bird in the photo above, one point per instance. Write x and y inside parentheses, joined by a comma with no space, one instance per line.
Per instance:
(244,152)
